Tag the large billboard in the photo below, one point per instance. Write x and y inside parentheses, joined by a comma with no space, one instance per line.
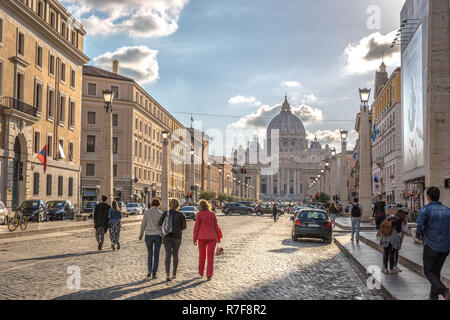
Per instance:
(412,100)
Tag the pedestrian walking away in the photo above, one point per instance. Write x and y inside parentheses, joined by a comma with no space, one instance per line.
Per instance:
(389,232)
(355,216)
(275,212)
(153,236)
(172,230)
(101,221)
(115,218)
(433,227)
(206,234)
(379,213)
(403,215)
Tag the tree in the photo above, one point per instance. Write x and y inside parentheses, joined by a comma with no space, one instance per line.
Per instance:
(205,195)
(322,197)
(222,197)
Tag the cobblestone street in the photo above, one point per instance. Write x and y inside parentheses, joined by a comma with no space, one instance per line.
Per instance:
(260,262)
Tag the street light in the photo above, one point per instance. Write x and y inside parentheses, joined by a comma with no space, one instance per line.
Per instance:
(165,172)
(364,94)
(344,134)
(108,98)
(333,152)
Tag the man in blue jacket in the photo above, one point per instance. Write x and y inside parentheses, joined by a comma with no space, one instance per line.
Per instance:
(433,227)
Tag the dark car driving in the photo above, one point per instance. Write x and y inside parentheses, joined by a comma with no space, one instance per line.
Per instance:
(312,223)
(190,212)
(60,210)
(34,210)
(231,208)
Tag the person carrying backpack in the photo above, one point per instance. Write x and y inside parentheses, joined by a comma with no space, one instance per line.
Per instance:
(355,215)
(390,230)
(172,229)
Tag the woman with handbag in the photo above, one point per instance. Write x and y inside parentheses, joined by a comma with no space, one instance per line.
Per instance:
(207,234)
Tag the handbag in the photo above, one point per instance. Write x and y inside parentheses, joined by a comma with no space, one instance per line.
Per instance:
(219,250)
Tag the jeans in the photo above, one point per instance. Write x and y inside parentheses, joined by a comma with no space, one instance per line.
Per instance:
(432,266)
(100,234)
(206,249)
(396,253)
(153,247)
(389,254)
(275,217)
(356,223)
(171,246)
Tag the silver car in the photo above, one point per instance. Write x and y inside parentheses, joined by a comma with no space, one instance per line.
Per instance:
(134,208)
(3,214)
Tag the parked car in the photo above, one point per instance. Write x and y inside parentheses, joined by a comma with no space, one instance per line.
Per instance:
(134,208)
(3,214)
(88,207)
(143,206)
(231,208)
(263,209)
(312,224)
(250,204)
(190,212)
(60,210)
(34,210)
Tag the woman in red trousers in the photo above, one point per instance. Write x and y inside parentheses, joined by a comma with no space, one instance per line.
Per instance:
(206,233)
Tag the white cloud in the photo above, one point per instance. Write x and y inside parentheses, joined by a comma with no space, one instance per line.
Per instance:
(333,138)
(365,55)
(137,18)
(309,98)
(291,84)
(244,100)
(138,63)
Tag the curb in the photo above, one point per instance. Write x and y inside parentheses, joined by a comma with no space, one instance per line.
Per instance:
(386,294)
(25,233)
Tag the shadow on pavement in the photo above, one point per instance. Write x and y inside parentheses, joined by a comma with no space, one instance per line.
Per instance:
(304,243)
(61,256)
(116,292)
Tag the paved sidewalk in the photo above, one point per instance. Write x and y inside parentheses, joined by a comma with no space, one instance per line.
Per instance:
(345,223)
(406,285)
(35,228)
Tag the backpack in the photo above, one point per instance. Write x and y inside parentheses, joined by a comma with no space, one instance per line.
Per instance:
(386,227)
(356,211)
(167,224)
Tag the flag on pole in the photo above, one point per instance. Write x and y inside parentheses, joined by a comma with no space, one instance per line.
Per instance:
(61,152)
(42,156)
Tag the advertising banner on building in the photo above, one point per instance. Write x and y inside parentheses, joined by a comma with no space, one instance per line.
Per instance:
(412,99)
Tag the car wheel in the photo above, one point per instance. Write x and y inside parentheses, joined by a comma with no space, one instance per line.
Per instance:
(259,213)
(294,238)
(328,241)
(63,217)
(229,212)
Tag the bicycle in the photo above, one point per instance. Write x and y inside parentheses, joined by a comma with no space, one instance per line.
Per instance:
(19,219)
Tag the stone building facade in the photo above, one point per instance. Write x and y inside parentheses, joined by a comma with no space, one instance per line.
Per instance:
(387,165)
(138,122)
(41,61)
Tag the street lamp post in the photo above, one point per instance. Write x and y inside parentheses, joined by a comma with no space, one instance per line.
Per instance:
(165,172)
(234,187)
(106,181)
(365,176)
(193,190)
(344,173)
(220,181)
(209,176)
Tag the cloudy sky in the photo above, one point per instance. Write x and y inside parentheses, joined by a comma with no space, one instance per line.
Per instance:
(230,62)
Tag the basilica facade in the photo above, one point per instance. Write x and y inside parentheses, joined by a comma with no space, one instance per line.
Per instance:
(289,162)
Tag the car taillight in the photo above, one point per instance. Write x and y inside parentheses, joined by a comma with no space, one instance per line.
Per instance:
(298,223)
(329,224)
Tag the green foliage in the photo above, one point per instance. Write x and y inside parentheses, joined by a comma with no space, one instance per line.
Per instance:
(206,195)
(322,197)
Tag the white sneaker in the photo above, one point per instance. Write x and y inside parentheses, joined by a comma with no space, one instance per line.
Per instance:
(393,271)
(385,270)
(397,269)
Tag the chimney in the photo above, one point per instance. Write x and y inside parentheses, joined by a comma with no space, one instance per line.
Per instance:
(116,66)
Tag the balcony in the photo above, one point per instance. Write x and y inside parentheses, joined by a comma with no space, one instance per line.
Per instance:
(26,111)
(379,161)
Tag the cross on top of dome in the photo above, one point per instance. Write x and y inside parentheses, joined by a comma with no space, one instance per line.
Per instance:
(286,107)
